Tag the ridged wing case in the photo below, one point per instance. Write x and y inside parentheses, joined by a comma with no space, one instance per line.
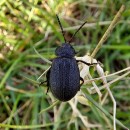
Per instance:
(64,79)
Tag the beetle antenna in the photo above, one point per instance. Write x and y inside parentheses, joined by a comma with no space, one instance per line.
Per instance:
(77,31)
(61,27)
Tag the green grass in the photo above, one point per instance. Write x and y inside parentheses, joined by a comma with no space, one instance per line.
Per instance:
(24,25)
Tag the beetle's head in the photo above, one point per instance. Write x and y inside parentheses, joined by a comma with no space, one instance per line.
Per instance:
(66,50)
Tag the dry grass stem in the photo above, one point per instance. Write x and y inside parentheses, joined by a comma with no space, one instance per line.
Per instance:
(109,30)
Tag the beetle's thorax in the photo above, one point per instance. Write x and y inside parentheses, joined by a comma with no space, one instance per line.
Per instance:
(66,50)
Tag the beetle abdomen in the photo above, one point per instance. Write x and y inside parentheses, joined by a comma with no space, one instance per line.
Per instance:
(64,78)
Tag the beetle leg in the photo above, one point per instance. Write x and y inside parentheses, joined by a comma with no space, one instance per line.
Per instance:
(47,81)
(42,82)
(82,81)
(47,90)
(89,64)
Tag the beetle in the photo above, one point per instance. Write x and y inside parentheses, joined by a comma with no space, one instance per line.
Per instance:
(63,78)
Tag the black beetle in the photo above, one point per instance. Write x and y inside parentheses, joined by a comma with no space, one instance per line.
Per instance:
(63,78)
